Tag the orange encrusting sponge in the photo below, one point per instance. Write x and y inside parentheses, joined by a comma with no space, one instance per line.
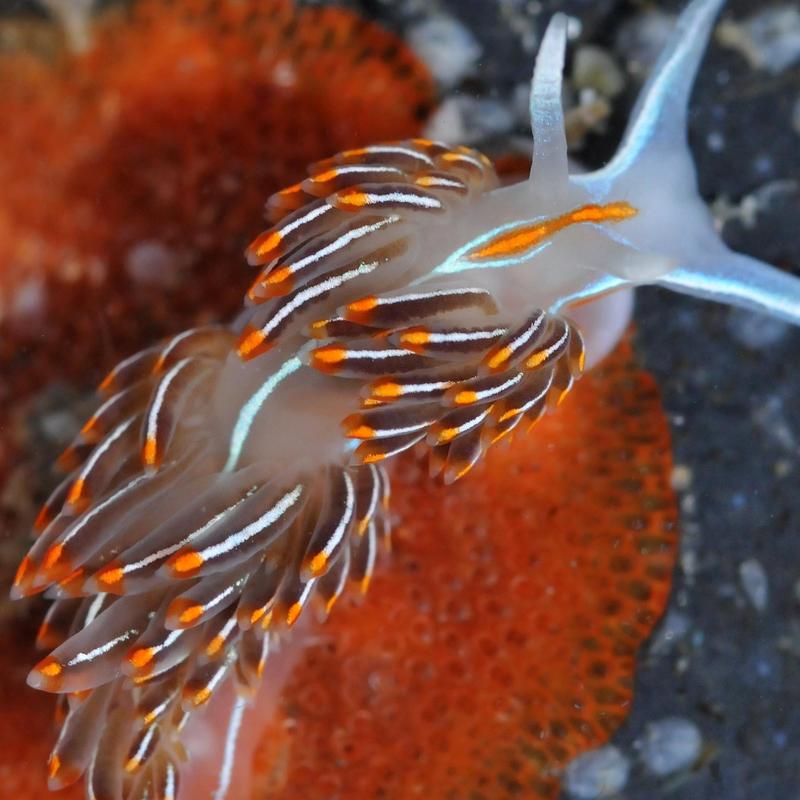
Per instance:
(500,639)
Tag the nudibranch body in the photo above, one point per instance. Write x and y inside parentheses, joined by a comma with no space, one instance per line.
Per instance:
(234,474)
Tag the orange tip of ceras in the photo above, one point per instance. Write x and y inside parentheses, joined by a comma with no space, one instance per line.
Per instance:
(106,386)
(17,589)
(347,199)
(151,456)
(328,358)
(361,310)
(415,339)
(214,646)
(72,584)
(43,518)
(465,397)
(47,638)
(317,565)
(140,657)
(253,342)
(354,428)
(109,579)
(68,460)
(264,247)
(46,675)
(185,563)
(292,613)
(53,556)
(59,774)
(386,390)
(78,496)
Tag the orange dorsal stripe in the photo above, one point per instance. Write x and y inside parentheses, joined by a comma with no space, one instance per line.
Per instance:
(523,238)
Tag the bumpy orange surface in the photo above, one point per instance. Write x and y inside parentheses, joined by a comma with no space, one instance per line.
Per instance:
(133,176)
(499,641)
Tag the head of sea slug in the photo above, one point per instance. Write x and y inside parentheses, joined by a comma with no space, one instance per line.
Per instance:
(234,475)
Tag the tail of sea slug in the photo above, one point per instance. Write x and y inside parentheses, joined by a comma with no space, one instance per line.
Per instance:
(653,169)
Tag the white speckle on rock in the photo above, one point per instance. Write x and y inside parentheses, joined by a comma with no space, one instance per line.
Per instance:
(447,123)
(594,68)
(754,582)
(59,426)
(641,40)
(28,300)
(756,331)
(751,205)
(470,119)
(771,417)
(715,142)
(670,745)
(670,631)
(447,47)
(152,263)
(599,773)
(681,478)
(768,39)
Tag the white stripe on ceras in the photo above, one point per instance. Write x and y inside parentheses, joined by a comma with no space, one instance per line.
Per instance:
(161,390)
(412,296)
(104,446)
(386,149)
(494,390)
(428,388)
(410,198)
(171,638)
(444,337)
(356,169)
(220,673)
(344,519)
(439,182)
(94,608)
(387,433)
(311,292)
(560,341)
(155,712)
(376,355)
(305,219)
(102,649)
(453,158)
(175,341)
(165,552)
(467,426)
(374,496)
(528,404)
(82,521)
(170,782)
(220,596)
(138,756)
(525,335)
(254,528)
(353,235)
(229,751)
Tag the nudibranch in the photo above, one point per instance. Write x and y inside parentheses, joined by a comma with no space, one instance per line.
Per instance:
(233,475)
